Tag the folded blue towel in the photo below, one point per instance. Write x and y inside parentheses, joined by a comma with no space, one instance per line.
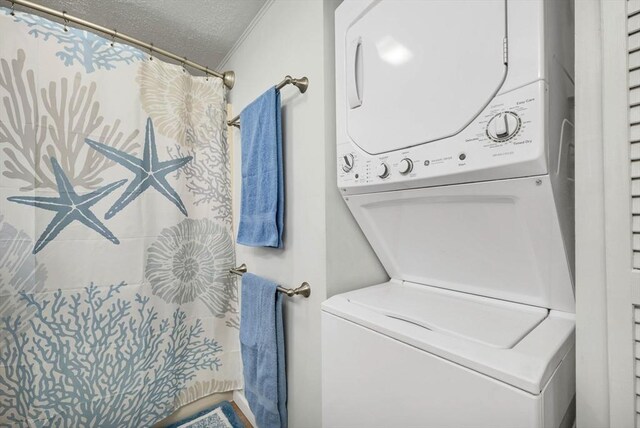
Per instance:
(262,348)
(262,203)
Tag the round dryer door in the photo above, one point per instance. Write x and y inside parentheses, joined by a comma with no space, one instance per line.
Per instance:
(419,71)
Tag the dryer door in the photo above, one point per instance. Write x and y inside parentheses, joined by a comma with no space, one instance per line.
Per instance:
(419,71)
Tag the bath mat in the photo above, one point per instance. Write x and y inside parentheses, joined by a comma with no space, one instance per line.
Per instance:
(222,415)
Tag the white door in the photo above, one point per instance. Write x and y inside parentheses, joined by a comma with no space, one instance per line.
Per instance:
(608,213)
(426,67)
(621,130)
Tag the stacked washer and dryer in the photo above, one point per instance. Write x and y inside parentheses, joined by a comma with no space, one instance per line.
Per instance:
(455,156)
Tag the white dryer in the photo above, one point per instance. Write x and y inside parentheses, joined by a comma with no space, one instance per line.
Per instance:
(455,156)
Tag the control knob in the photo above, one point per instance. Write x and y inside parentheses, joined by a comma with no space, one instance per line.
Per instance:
(383,170)
(347,162)
(406,166)
(503,126)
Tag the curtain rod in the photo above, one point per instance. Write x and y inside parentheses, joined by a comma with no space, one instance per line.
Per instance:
(228,77)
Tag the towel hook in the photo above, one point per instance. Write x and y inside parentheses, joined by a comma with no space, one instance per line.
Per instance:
(304,290)
(239,270)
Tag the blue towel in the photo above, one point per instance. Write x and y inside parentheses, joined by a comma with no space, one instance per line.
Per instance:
(262,348)
(262,203)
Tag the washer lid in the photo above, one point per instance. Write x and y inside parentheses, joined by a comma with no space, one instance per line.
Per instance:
(487,321)
(527,364)
(425,68)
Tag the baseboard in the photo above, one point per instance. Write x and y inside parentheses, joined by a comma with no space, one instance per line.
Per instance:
(243,405)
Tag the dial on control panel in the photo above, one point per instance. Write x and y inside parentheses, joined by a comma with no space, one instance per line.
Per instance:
(503,126)
(347,162)
(383,170)
(405,166)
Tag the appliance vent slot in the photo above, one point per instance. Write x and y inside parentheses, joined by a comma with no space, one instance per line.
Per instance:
(633,29)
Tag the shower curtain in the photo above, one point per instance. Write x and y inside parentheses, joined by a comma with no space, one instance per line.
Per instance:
(116,305)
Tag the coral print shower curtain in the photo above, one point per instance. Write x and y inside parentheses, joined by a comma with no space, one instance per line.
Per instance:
(116,305)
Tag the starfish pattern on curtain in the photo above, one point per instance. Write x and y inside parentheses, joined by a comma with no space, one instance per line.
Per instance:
(150,171)
(69,207)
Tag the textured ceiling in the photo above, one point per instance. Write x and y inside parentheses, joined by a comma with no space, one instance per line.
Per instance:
(201,30)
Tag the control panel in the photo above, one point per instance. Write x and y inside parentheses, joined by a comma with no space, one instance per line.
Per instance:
(505,140)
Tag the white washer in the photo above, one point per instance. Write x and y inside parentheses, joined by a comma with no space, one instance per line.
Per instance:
(455,154)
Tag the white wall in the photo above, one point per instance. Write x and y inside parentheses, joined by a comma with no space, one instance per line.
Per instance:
(323,244)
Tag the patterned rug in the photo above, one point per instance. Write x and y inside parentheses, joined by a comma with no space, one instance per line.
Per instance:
(222,415)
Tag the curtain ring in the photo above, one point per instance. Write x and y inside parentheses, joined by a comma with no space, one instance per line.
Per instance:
(113,37)
(206,71)
(184,70)
(150,51)
(66,21)
(13,9)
